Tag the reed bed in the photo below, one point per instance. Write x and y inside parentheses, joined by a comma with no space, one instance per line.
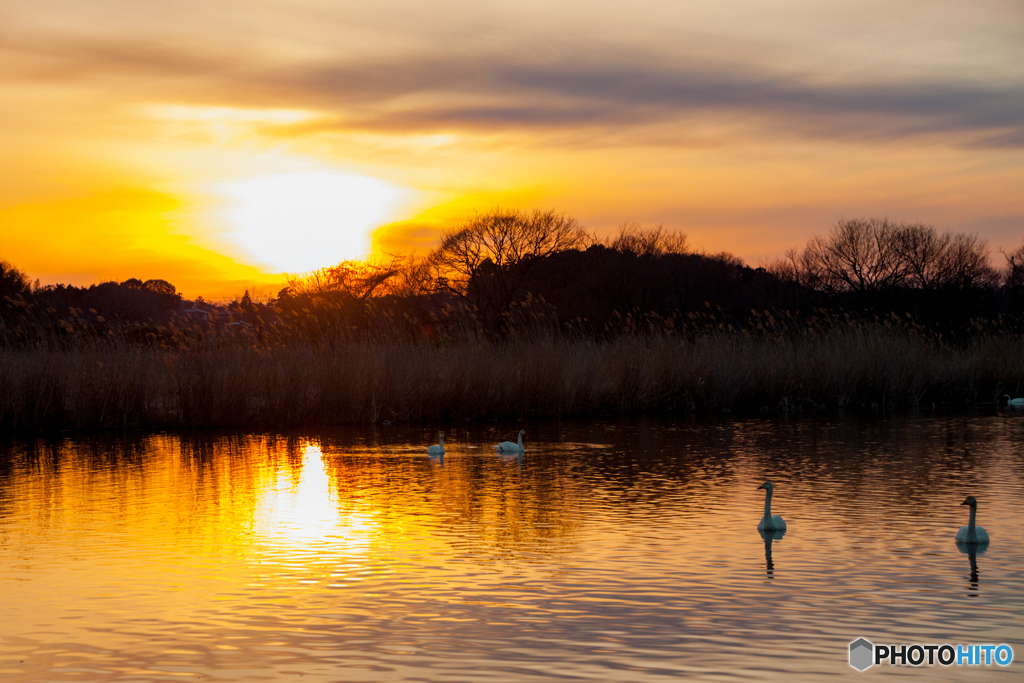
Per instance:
(121,386)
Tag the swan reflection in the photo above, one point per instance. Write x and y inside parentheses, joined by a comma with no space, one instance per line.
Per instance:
(972,550)
(512,457)
(769,536)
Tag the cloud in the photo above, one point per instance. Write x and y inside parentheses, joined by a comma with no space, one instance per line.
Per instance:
(491,90)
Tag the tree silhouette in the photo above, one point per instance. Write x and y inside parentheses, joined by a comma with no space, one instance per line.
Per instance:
(360,280)
(487,260)
(931,260)
(1014,275)
(859,256)
(13,282)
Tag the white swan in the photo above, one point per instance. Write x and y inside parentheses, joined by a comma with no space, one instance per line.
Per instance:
(971,533)
(437,450)
(509,447)
(769,523)
(1013,402)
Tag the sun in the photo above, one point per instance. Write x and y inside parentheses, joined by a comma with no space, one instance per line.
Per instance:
(298,222)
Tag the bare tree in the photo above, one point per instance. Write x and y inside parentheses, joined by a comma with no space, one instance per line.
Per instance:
(360,280)
(1013,276)
(415,277)
(872,256)
(932,260)
(859,255)
(489,258)
(966,262)
(633,238)
(789,268)
(922,249)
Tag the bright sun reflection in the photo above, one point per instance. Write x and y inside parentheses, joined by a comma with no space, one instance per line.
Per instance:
(298,222)
(302,518)
(303,512)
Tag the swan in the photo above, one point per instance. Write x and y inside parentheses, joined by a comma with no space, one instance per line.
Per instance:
(769,523)
(971,533)
(509,447)
(437,450)
(1013,402)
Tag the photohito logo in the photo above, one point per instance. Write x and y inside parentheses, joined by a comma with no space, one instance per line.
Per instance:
(864,653)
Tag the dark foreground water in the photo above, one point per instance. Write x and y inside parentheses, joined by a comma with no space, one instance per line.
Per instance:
(611,551)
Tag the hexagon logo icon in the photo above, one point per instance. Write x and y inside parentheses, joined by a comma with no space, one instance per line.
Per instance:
(862,652)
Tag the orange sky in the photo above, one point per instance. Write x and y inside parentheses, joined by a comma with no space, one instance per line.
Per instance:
(216,145)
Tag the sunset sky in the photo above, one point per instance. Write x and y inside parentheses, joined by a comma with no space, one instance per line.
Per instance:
(218,144)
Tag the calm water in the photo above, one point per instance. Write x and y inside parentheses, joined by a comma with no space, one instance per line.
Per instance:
(613,551)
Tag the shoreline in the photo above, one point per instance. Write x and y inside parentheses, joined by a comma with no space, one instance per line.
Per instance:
(21,438)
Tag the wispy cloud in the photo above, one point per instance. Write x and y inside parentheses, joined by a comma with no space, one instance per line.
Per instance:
(500,90)
(622,90)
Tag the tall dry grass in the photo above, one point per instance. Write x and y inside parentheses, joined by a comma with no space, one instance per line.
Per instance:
(120,385)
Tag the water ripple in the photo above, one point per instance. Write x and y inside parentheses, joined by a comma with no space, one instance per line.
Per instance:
(610,551)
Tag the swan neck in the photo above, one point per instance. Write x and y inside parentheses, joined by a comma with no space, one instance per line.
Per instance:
(768,504)
(970,523)
(520,441)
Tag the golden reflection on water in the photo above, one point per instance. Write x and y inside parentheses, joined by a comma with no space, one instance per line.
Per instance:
(307,532)
(296,508)
(612,551)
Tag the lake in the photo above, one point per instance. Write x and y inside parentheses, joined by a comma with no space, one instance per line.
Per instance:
(619,550)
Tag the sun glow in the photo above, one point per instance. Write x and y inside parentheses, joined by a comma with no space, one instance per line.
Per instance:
(298,222)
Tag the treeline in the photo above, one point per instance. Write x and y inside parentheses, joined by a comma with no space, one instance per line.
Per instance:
(509,272)
(521,315)
(506,271)
(142,312)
